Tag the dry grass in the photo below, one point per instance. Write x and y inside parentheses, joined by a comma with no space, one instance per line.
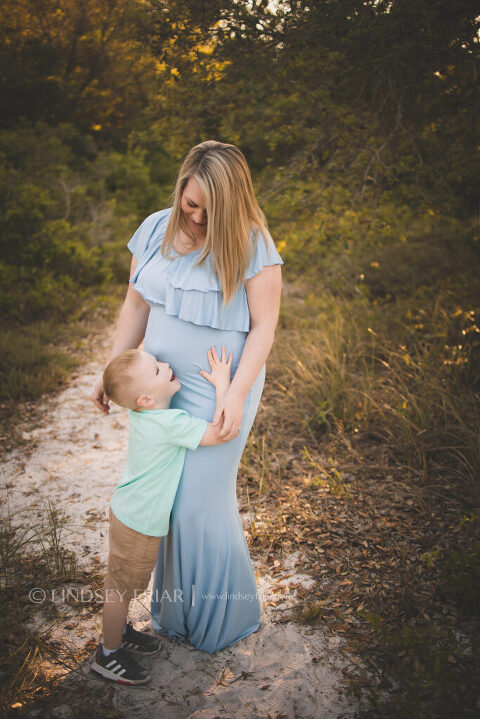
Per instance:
(331,367)
(31,661)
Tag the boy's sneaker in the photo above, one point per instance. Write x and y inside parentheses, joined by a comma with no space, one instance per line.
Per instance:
(138,642)
(119,666)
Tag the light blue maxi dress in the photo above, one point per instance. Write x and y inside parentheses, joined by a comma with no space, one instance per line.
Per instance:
(204,587)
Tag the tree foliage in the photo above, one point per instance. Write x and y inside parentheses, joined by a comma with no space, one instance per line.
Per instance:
(371,90)
(73,61)
(100,101)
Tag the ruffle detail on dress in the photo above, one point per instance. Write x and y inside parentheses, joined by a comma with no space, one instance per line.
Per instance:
(191,293)
(194,294)
(206,308)
(263,257)
(187,276)
(188,291)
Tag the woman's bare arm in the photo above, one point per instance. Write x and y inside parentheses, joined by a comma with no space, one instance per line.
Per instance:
(132,321)
(131,326)
(263,295)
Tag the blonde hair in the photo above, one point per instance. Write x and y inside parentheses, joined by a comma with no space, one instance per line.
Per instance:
(117,377)
(233,212)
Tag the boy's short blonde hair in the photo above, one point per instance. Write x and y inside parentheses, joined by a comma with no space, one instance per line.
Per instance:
(117,376)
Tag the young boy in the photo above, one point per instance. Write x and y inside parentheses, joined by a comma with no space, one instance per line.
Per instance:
(141,504)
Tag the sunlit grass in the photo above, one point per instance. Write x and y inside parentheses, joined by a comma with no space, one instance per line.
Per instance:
(331,368)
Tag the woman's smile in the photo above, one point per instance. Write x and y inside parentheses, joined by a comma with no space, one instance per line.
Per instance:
(197,224)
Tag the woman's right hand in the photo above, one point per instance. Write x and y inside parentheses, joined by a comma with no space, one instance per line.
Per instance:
(100,398)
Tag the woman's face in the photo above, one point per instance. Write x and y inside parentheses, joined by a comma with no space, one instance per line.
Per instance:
(193,207)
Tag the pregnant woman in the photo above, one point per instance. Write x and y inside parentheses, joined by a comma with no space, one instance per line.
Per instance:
(206,272)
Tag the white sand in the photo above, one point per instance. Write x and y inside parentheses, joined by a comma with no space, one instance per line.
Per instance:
(283,670)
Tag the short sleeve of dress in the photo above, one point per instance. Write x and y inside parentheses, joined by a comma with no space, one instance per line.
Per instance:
(141,240)
(264,257)
(186,431)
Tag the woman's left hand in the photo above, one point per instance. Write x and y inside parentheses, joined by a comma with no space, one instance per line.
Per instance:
(232,410)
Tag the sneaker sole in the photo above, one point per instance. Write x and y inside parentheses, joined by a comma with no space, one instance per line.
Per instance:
(114,677)
(135,649)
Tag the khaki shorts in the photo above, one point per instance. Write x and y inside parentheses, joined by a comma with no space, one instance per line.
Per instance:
(131,560)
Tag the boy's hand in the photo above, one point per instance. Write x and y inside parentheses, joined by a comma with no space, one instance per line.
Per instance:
(220,374)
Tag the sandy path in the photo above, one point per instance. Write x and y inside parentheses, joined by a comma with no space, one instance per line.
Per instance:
(283,670)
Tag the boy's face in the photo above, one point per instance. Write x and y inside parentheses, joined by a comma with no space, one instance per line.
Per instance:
(153,380)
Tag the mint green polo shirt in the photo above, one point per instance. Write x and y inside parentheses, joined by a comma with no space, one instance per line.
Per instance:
(157,443)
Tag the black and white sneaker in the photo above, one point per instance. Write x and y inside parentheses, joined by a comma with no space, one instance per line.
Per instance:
(138,642)
(119,666)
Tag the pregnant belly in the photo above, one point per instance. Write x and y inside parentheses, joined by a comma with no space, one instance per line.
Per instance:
(184,346)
